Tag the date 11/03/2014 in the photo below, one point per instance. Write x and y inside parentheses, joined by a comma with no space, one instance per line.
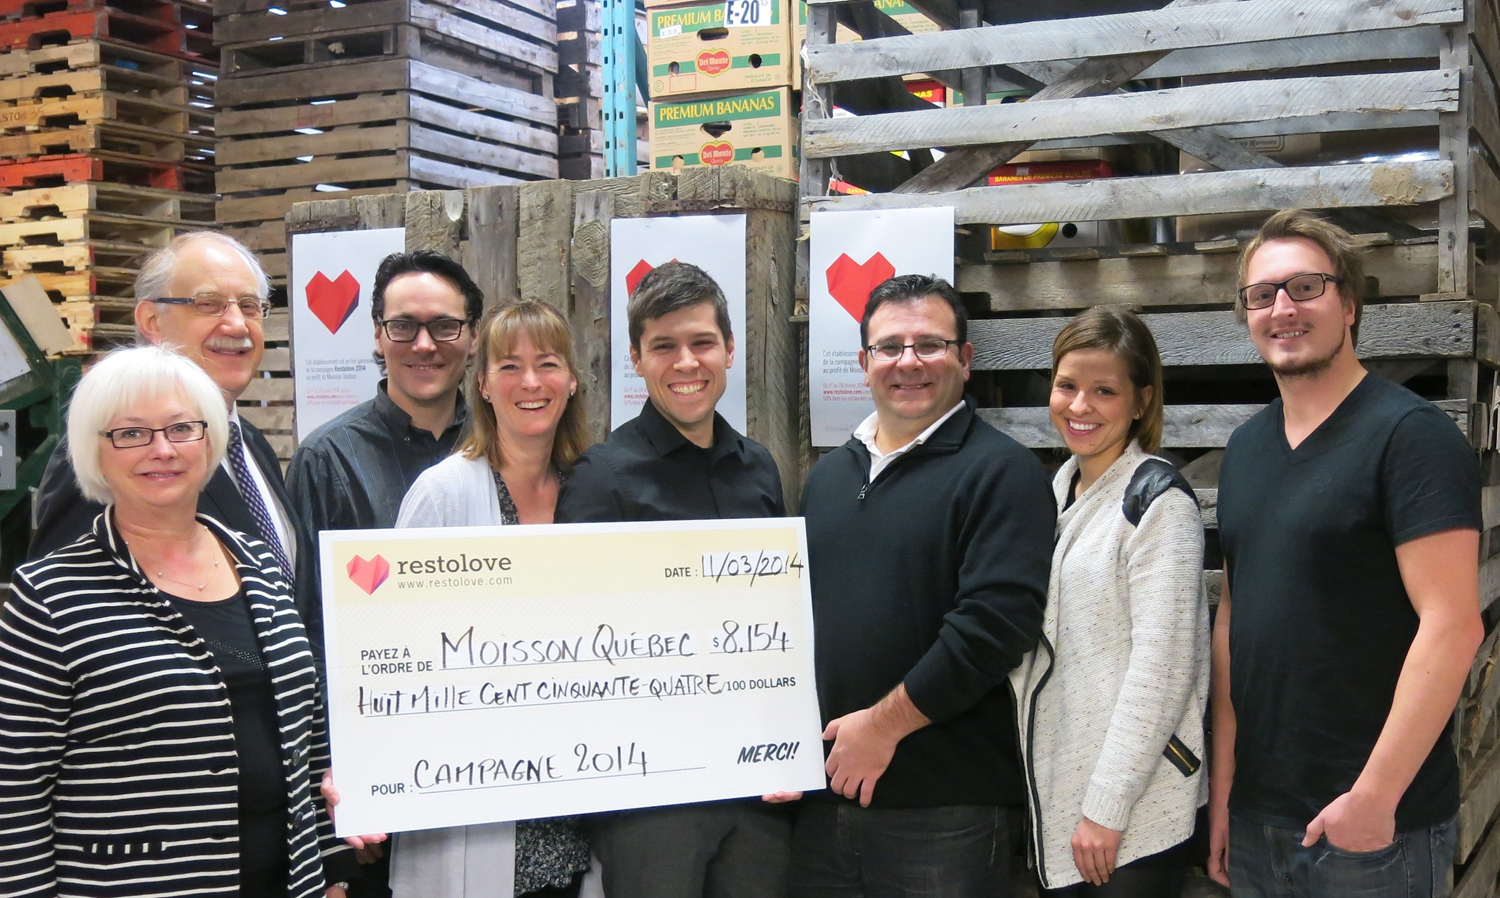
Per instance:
(755,565)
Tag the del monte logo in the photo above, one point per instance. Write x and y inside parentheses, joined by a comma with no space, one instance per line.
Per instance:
(368,574)
(712,62)
(721,153)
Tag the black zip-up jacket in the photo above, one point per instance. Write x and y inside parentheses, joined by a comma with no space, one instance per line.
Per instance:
(934,575)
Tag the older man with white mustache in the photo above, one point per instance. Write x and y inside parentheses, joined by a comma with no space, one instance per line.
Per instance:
(205,295)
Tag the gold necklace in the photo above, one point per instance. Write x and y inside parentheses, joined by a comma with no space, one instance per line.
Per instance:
(200,587)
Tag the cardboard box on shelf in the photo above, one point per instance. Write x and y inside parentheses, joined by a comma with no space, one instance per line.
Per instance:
(927,89)
(1052,234)
(904,13)
(758,130)
(691,49)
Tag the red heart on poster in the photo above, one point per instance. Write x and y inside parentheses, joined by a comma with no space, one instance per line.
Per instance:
(634,275)
(332,301)
(850,282)
(369,574)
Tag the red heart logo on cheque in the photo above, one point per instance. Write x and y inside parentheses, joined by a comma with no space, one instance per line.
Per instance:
(332,301)
(850,283)
(368,574)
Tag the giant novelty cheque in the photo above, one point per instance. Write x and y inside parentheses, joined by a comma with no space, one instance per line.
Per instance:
(483,674)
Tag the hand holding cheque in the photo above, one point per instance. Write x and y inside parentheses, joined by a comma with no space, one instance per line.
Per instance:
(490,674)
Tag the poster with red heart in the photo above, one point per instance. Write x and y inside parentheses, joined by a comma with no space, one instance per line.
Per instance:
(332,333)
(715,243)
(850,254)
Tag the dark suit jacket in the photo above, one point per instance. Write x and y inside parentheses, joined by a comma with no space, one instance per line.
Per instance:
(63,515)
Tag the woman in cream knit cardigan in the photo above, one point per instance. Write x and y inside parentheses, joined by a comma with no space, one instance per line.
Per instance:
(1111,703)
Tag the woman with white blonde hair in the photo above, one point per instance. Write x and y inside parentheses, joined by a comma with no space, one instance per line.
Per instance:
(164,733)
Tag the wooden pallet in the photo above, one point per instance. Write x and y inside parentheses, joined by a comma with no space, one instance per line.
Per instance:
(519,35)
(91,256)
(99,108)
(106,23)
(114,199)
(171,12)
(116,168)
(89,53)
(93,226)
(111,138)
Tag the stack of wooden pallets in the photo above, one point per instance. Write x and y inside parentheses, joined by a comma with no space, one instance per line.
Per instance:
(106,146)
(327,98)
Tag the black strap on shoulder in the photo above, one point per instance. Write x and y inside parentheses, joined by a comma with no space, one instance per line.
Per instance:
(1152,478)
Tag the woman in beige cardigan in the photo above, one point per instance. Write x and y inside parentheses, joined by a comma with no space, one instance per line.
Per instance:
(1111,703)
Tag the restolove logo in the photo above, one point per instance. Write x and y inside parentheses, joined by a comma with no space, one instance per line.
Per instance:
(332,302)
(713,62)
(721,153)
(368,574)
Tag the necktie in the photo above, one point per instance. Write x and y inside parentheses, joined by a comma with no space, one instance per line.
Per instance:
(253,499)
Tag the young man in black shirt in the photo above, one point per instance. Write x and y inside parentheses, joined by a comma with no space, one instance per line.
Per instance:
(679,460)
(351,473)
(1349,513)
(929,539)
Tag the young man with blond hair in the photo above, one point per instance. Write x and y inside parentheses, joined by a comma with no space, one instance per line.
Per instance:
(1349,516)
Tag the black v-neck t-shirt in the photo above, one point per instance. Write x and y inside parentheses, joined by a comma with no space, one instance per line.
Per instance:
(227,628)
(1322,621)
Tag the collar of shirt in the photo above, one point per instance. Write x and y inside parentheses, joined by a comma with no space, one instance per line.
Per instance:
(879,461)
(398,421)
(666,438)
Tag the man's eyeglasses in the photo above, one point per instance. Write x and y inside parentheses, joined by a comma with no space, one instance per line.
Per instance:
(1300,288)
(441,330)
(135,437)
(213,305)
(925,349)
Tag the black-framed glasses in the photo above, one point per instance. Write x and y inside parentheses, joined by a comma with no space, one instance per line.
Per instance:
(405,330)
(1300,288)
(135,437)
(214,305)
(932,348)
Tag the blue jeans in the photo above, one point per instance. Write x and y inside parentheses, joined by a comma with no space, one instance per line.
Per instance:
(1270,862)
(846,851)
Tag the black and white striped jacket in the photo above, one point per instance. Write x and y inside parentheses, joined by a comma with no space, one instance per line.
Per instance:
(118,771)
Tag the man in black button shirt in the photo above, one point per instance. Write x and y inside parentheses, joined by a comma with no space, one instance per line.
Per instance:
(351,473)
(1349,516)
(679,460)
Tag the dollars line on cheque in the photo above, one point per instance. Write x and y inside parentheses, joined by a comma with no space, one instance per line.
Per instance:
(533,693)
